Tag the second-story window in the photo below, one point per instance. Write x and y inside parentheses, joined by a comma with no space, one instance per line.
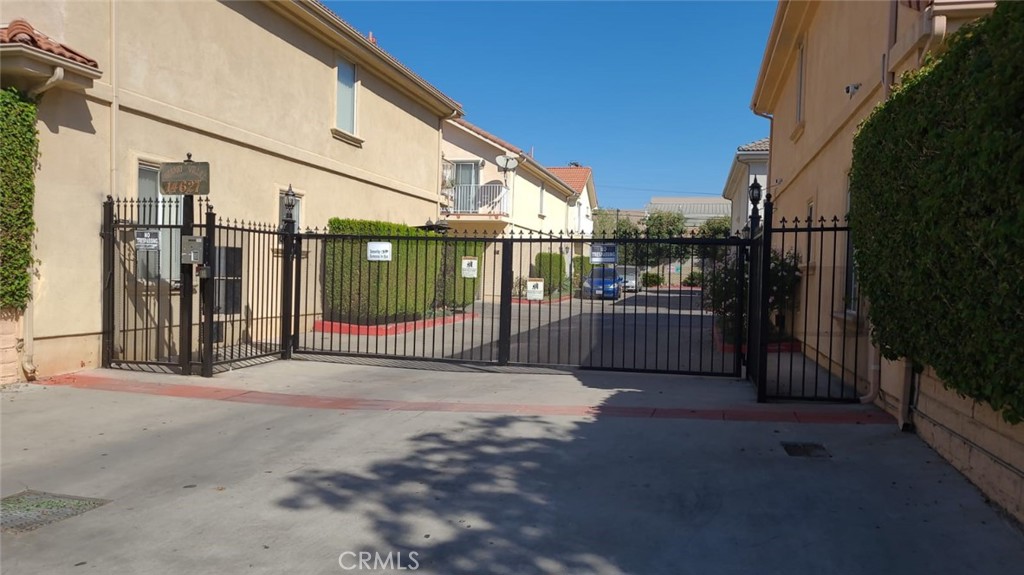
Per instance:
(345,118)
(542,192)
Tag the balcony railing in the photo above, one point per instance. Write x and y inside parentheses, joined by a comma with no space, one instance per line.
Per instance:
(489,199)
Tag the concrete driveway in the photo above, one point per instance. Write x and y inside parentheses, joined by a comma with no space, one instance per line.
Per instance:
(287,467)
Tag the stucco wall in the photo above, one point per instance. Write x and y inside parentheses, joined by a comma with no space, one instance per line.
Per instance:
(975,439)
(258,105)
(845,41)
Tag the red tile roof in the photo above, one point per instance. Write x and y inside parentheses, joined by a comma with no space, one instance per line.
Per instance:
(19,31)
(575,177)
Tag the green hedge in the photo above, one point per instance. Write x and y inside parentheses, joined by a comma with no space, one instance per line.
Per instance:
(459,292)
(581,267)
(364,292)
(19,151)
(937,213)
(652,279)
(551,267)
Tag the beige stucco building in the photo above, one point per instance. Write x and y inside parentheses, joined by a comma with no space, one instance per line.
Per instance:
(825,67)
(523,199)
(750,164)
(271,94)
(478,194)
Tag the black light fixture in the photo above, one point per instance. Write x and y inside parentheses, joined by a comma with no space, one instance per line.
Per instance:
(754,193)
(289,203)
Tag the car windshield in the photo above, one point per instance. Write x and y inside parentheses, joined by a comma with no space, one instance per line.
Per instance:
(602,273)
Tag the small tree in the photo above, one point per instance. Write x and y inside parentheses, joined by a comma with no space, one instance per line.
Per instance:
(722,290)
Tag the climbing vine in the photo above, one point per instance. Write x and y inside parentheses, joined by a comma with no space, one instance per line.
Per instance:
(19,150)
(937,213)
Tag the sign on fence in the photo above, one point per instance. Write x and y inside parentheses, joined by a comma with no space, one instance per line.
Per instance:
(378,251)
(469,266)
(185,178)
(147,240)
(603,254)
(535,289)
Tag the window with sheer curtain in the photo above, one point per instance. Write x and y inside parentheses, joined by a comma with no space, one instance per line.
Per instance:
(345,118)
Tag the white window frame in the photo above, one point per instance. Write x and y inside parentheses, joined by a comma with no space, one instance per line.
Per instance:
(543,192)
(355,96)
(169,262)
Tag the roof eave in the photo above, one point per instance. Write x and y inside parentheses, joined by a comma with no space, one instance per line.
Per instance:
(39,65)
(538,170)
(790,19)
(317,18)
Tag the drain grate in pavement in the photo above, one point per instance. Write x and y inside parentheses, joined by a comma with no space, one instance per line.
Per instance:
(30,510)
(797,449)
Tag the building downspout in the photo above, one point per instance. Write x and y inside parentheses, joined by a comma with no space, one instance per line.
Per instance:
(57,76)
(26,346)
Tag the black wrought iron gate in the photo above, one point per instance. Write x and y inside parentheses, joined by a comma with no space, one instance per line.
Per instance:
(525,299)
(163,312)
(766,304)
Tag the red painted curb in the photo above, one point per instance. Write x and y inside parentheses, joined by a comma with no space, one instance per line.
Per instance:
(780,414)
(343,328)
(534,301)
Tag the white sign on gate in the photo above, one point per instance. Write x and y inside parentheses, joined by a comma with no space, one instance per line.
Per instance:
(378,251)
(469,266)
(535,289)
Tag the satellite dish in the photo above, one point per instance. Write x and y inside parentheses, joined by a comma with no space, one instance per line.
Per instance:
(506,162)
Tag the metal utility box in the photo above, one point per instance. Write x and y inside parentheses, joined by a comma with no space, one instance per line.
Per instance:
(192,250)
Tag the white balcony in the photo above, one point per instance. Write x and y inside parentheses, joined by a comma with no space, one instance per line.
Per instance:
(489,200)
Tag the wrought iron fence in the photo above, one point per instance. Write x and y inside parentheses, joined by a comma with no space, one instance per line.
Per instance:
(531,299)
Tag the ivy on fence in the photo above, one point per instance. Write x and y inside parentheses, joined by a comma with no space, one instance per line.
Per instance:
(937,213)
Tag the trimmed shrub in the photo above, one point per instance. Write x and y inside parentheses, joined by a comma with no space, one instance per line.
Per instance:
(453,290)
(693,279)
(551,267)
(937,209)
(581,267)
(651,279)
(364,292)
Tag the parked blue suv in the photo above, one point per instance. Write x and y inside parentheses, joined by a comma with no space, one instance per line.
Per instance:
(604,283)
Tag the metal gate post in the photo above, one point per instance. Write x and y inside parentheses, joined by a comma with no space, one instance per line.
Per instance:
(741,264)
(764,321)
(185,310)
(505,304)
(287,279)
(207,285)
(297,293)
(107,233)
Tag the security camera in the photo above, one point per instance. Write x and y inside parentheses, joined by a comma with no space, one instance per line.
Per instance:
(851,89)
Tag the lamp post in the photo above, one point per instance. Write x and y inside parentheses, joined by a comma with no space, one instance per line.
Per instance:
(289,210)
(754,195)
(288,239)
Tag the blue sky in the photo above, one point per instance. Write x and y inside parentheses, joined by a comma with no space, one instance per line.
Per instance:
(653,95)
